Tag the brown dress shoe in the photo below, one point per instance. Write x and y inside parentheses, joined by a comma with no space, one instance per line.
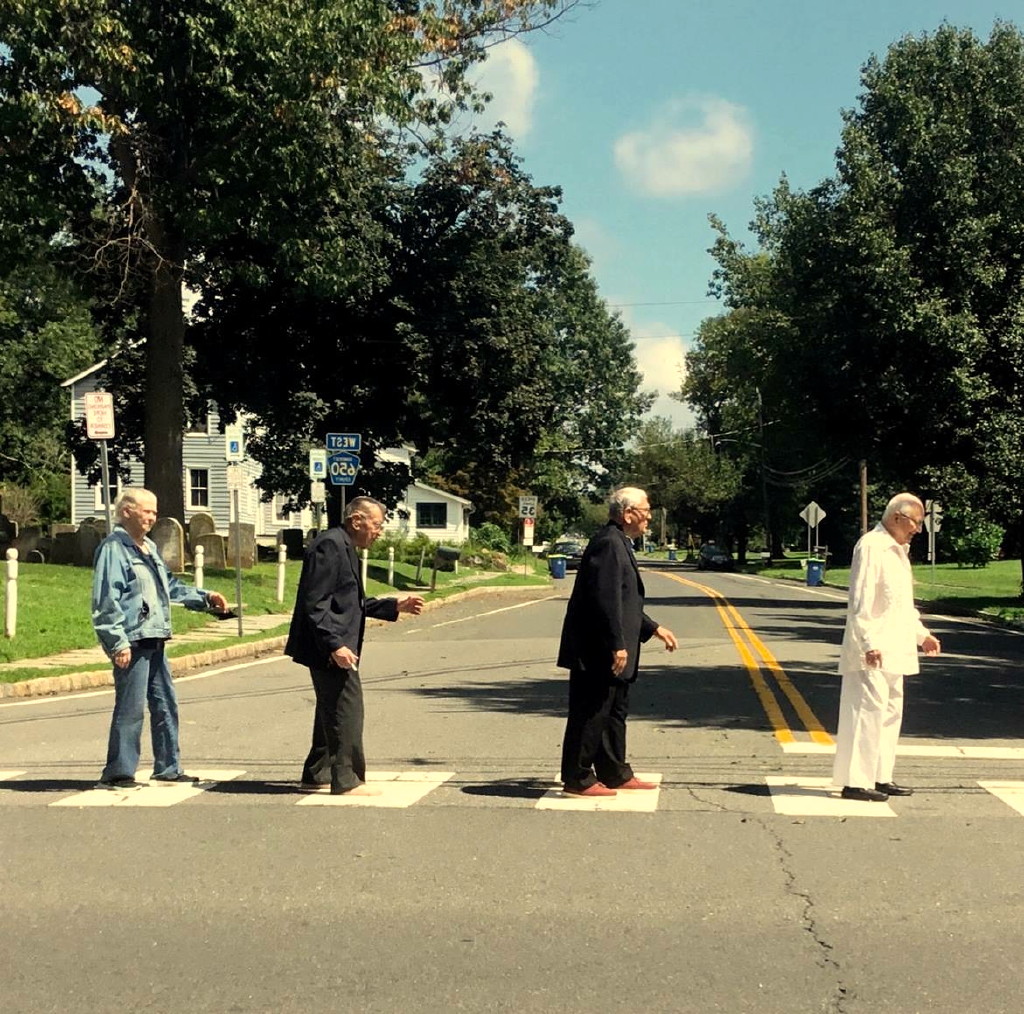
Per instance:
(597,789)
(635,783)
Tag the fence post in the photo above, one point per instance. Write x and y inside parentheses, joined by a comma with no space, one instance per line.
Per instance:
(391,566)
(11,594)
(197,566)
(282,557)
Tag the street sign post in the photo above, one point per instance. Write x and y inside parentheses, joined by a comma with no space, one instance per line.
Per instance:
(99,426)
(233,444)
(234,454)
(317,492)
(813,515)
(352,442)
(933,525)
(317,464)
(527,531)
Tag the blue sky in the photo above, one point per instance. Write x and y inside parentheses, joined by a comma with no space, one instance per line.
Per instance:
(652,113)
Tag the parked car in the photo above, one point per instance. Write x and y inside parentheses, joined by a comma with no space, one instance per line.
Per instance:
(712,557)
(571,550)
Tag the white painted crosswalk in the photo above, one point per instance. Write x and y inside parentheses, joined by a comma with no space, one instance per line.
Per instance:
(790,796)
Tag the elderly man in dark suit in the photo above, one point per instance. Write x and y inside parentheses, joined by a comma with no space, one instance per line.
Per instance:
(604,627)
(326,634)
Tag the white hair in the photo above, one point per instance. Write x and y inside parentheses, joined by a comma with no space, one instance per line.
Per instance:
(899,504)
(622,499)
(132,495)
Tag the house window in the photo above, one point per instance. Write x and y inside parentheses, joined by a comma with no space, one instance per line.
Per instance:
(431,515)
(281,514)
(197,417)
(97,494)
(198,487)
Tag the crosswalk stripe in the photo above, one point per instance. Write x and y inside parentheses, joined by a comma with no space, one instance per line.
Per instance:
(5,775)
(817,797)
(951,750)
(151,794)
(1011,793)
(631,800)
(397,789)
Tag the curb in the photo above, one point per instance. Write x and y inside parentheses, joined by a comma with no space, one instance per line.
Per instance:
(49,686)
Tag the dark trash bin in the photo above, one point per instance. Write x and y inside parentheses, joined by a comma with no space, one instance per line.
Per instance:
(556,564)
(815,572)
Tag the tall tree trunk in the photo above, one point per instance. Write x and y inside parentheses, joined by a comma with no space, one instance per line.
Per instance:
(164,413)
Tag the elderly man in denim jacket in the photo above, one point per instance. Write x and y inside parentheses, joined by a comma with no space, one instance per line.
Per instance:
(132,592)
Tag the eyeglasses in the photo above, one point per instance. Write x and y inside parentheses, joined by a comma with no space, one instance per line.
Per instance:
(646,511)
(372,523)
(917,523)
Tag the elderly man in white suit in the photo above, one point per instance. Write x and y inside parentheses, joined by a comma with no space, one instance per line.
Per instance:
(880,645)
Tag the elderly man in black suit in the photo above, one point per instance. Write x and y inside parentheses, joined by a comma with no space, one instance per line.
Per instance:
(604,627)
(326,634)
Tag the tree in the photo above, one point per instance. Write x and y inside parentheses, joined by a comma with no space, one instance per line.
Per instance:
(899,281)
(202,120)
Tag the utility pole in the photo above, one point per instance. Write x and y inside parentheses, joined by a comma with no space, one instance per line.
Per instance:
(863,495)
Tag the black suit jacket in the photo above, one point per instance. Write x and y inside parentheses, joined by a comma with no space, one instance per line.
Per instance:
(606,608)
(330,608)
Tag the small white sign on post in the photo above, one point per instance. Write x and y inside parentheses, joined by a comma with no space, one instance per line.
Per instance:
(318,464)
(527,506)
(813,515)
(234,449)
(236,477)
(527,531)
(317,492)
(99,415)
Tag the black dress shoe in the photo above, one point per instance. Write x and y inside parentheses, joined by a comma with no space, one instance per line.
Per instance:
(864,795)
(892,789)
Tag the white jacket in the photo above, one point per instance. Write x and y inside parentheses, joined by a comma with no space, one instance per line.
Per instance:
(881,615)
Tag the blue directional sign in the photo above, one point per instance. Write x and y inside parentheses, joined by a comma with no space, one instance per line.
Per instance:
(343,468)
(352,442)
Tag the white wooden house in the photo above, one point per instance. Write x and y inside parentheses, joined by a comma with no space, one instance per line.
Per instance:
(439,515)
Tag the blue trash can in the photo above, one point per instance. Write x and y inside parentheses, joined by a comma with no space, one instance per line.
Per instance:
(815,572)
(556,564)
(671,554)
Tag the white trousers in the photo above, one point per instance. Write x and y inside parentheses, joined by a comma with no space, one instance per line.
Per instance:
(870,715)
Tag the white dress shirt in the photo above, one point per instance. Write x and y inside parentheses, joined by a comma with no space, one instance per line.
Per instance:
(881,615)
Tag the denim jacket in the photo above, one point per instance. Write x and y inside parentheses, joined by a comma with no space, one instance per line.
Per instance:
(120,614)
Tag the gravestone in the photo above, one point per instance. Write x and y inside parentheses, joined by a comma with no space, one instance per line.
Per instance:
(64,544)
(28,543)
(87,538)
(201,523)
(213,550)
(8,531)
(247,533)
(169,537)
(293,540)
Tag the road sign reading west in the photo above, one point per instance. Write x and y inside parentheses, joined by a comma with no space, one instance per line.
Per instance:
(343,468)
(318,464)
(527,506)
(813,514)
(344,442)
(99,415)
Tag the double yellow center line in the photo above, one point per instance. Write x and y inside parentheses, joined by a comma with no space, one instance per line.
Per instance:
(748,644)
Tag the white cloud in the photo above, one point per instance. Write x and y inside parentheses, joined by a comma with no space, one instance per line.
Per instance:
(661,362)
(510,75)
(692,146)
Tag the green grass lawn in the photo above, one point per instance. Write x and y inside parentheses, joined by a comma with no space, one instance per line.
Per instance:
(54,614)
(993,590)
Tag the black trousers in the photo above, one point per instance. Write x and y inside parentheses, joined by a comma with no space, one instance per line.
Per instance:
(337,751)
(594,747)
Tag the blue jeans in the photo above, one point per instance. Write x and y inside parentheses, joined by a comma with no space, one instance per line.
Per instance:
(147,678)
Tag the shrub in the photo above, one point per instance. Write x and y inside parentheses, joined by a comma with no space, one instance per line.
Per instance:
(490,536)
(973,540)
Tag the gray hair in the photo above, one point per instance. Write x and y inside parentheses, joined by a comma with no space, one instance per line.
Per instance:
(130,495)
(622,499)
(361,504)
(899,504)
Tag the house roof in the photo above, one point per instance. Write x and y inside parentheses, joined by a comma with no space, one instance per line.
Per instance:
(85,373)
(442,492)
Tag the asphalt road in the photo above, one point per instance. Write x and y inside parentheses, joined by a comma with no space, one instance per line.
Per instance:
(471,885)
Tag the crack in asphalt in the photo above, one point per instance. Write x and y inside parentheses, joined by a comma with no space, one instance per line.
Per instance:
(837,1004)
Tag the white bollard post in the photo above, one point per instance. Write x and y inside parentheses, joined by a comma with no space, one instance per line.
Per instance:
(197,566)
(282,559)
(391,566)
(366,563)
(11,594)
